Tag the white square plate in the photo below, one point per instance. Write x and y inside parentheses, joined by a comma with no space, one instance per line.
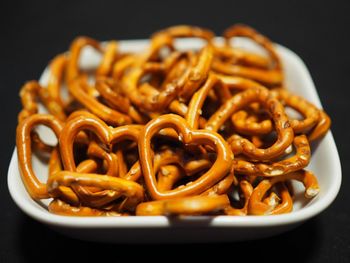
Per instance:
(325,164)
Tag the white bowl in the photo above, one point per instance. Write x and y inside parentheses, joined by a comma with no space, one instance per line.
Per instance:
(324,163)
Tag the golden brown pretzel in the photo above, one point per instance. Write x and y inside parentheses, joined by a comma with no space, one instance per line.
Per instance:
(104,133)
(188,136)
(132,190)
(241,57)
(57,67)
(35,188)
(322,127)
(221,187)
(107,135)
(77,89)
(107,89)
(193,205)
(184,85)
(308,110)
(30,93)
(198,73)
(241,145)
(186,31)
(272,76)
(94,150)
(257,207)
(168,175)
(311,114)
(250,125)
(169,166)
(60,207)
(72,70)
(111,93)
(299,161)
(109,56)
(246,189)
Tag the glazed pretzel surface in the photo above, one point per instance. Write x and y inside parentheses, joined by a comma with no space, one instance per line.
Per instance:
(169,131)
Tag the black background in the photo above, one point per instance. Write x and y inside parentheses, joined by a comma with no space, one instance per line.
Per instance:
(32,33)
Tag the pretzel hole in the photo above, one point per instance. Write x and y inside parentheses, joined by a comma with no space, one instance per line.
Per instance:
(40,156)
(89,59)
(46,135)
(248,45)
(164,52)
(186,44)
(236,197)
(293,114)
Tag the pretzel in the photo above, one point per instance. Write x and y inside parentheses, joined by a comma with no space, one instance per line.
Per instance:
(116,101)
(73,71)
(282,126)
(298,103)
(186,84)
(35,188)
(311,113)
(246,31)
(257,207)
(194,205)
(111,116)
(168,175)
(246,189)
(272,76)
(299,161)
(249,125)
(154,132)
(132,190)
(108,59)
(57,67)
(240,56)
(221,166)
(324,122)
(104,133)
(221,187)
(189,166)
(59,207)
(94,150)
(29,94)
(187,31)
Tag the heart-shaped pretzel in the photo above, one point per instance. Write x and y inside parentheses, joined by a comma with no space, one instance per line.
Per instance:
(187,135)
(276,110)
(106,135)
(35,188)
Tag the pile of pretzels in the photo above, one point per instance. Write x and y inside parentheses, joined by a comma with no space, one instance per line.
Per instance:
(168,131)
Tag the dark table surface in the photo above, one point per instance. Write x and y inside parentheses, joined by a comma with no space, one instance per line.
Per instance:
(32,33)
